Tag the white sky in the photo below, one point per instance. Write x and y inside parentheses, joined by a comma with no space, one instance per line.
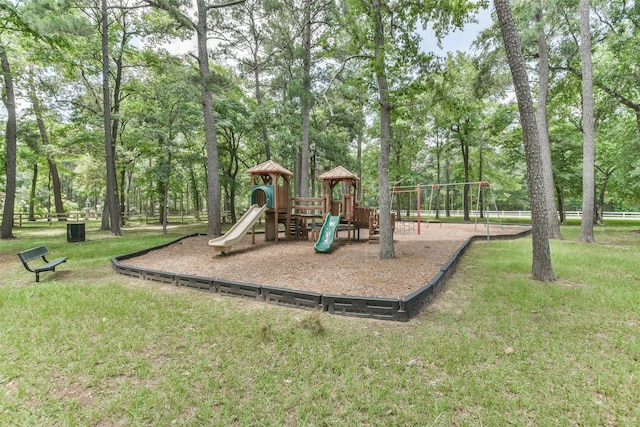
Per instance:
(459,40)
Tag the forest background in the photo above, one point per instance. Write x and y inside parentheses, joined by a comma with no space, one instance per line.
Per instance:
(297,81)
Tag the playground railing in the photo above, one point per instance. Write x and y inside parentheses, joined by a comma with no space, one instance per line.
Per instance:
(307,206)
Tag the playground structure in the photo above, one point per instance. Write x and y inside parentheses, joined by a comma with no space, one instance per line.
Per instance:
(318,218)
(321,218)
(353,216)
(335,210)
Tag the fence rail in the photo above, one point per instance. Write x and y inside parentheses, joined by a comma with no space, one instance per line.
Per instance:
(523,214)
(19,219)
(425,214)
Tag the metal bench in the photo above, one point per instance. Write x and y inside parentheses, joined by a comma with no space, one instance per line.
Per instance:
(39,252)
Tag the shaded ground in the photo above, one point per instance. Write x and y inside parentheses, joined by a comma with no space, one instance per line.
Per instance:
(352,268)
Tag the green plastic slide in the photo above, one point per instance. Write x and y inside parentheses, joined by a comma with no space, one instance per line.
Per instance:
(327,233)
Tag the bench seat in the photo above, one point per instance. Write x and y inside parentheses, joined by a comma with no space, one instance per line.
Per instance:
(39,252)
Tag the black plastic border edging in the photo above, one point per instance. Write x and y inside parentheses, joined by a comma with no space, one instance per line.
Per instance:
(369,307)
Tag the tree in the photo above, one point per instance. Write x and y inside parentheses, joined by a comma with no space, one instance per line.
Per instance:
(243,36)
(387,249)
(9,100)
(201,28)
(461,107)
(109,149)
(234,129)
(11,24)
(543,127)
(164,113)
(530,15)
(391,26)
(588,125)
(303,191)
(541,268)
(44,137)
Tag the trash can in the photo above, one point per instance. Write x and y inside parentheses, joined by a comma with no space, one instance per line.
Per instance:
(75,232)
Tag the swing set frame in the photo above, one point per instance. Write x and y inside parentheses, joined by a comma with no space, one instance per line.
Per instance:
(482,186)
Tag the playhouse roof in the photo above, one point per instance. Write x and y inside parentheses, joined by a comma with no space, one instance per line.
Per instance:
(269,167)
(338,174)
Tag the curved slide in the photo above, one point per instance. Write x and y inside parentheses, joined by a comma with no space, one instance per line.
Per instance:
(327,233)
(239,229)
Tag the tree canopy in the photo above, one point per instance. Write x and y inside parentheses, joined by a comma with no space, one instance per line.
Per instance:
(147,128)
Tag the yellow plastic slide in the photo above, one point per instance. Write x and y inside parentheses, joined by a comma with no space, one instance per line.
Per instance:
(239,229)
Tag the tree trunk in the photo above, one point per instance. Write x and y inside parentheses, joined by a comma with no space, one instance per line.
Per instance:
(465,160)
(588,126)
(359,138)
(603,189)
(397,197)
(447,198)
(53,168)
(296,170)
(313,171)
(123,196)
(32,193)
(560,193)
(600,208)
(195,193)
(387,249)
(257,84)
(165,195)
(214,228)
(115,124)
(438,155)
(543,129)
(541,268)
(265,133)
(306,101)
(104,224)
(161,190)
(480,201)
(9,100)
(112,182)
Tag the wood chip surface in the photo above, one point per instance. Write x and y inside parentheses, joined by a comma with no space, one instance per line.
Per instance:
(351,268)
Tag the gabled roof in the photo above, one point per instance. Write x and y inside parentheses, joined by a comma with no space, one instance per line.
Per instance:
(338,174)
(269,167)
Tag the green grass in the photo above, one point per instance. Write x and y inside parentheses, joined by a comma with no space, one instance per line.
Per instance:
(88,347)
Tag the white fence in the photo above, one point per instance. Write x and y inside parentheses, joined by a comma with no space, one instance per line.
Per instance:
(518,214)
(425,214)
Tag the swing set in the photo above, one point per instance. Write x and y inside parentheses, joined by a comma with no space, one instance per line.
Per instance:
(483,187)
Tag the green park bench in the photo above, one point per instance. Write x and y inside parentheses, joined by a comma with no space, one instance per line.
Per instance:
(39,252)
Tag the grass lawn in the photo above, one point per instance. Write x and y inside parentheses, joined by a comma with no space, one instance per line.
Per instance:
(86,346)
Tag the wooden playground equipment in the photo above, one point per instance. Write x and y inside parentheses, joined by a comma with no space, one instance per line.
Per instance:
(270,185)
(302,217)
(354,217)
(319,218)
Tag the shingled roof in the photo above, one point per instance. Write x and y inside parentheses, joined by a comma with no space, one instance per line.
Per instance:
(269,167)
(338,174)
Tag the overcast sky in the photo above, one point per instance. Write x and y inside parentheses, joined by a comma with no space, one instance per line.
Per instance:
(459,40)
(455,41)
